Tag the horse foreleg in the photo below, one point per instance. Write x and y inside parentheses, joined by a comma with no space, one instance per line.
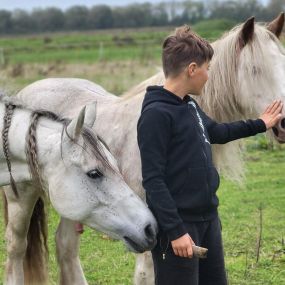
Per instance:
(144,274)
(19,214)
(67,249)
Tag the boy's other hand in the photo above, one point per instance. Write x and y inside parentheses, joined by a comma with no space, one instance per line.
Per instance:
(183,246)
(272,114)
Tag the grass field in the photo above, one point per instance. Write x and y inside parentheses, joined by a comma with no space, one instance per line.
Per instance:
(118,60)
(90,47)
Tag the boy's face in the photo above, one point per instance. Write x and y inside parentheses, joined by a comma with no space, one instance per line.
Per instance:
(197,77)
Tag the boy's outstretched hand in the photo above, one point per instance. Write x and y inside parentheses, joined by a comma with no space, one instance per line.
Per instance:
(272,114)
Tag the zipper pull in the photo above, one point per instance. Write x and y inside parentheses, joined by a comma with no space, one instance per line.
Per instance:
(163,256)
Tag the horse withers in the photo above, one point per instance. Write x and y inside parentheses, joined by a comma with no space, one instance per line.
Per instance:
(69,163)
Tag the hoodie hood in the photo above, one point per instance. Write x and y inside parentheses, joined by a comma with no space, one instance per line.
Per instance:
(159,94)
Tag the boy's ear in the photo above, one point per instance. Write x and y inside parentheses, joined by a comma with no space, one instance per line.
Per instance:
(192,68)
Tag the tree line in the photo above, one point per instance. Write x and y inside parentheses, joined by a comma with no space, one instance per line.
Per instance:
(134,15)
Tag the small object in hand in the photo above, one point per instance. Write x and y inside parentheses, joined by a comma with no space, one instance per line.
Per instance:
(199,252)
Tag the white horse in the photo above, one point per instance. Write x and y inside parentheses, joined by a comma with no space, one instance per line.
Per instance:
(247,73)
(71,165)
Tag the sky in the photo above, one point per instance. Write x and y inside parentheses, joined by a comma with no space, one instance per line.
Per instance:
(29,5)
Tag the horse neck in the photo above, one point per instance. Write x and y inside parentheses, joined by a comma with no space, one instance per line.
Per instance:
(123,113)
(121,138)
(48,136)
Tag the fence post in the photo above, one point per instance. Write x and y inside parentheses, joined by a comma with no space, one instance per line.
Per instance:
(101,51)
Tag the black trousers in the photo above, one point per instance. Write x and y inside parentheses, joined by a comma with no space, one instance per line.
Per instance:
(174,270)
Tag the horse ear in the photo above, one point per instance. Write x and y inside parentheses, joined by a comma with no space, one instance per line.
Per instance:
(74,128)
(276,26)
(90,114)
(246,33)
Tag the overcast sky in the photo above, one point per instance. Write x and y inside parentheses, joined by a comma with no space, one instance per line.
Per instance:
(63,4)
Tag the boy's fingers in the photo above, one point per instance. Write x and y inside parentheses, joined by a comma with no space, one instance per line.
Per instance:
(271,106)
(275,107)
(185,253)
(276,119)
(278,109)
(180,252)
(189,252)
(267,109)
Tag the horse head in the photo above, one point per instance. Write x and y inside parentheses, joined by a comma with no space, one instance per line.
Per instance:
(86,186)
(247,72)
(78,172)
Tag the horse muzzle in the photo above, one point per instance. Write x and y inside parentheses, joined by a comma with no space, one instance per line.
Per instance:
(279,130)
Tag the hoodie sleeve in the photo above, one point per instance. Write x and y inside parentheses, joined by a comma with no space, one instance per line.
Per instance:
(154,131)
(226,132)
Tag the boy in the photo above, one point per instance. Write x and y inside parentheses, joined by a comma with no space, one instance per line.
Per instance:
(179,177)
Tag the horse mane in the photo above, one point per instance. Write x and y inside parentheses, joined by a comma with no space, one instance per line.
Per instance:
(219,99)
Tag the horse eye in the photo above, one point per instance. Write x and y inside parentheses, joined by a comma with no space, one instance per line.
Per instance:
(94,174)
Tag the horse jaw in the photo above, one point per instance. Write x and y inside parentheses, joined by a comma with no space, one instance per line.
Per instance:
(111,207)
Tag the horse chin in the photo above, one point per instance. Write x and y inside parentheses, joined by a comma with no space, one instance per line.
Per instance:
(135,247)
(134,243)
(279,130)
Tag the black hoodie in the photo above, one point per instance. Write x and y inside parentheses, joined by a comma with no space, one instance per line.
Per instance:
(179,177)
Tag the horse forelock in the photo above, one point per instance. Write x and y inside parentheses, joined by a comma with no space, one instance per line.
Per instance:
(94,144)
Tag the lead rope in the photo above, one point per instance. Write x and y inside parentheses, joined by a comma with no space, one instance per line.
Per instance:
(9,110)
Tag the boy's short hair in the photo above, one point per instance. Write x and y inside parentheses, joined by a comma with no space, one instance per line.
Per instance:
(182,48)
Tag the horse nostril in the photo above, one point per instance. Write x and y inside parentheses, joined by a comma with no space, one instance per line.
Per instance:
(275,131)
(282,123)
(149,232)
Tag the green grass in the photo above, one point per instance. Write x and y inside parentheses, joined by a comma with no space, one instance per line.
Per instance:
(106,261)
(87,56)
(240,212)
(84,47)
(98,45)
